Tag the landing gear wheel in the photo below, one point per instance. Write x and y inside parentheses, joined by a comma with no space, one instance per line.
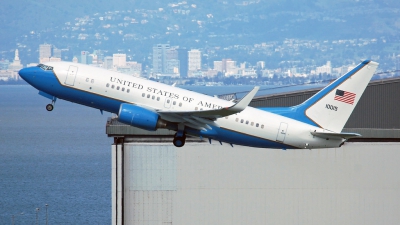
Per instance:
(49,107)
(179,142)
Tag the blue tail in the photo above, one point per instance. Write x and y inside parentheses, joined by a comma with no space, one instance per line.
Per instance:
(331,107)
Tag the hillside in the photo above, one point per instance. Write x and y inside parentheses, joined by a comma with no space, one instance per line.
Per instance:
(137,25)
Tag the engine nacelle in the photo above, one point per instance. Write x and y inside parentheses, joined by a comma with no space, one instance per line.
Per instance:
(139,117)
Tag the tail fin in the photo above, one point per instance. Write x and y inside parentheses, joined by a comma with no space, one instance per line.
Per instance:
(331,107)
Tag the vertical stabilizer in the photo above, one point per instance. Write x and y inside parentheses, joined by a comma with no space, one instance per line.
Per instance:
(331,107)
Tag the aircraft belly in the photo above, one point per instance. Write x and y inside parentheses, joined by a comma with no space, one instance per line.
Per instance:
(233,137)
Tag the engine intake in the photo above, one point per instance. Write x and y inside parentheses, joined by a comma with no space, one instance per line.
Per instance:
(140,117)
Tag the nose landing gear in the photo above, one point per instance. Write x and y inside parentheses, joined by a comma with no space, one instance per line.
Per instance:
(50,107)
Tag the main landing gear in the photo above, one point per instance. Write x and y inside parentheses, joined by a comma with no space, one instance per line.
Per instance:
(50,107)
(179,141)
(180,136)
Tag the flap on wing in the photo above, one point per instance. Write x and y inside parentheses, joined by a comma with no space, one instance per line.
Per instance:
(217,113)
(336,135)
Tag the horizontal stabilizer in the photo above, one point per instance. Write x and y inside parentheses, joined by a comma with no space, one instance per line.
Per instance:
(336,135)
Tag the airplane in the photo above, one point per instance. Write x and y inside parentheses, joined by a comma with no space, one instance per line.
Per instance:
(149,105)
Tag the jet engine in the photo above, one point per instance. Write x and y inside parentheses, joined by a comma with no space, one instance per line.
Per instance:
(140,117)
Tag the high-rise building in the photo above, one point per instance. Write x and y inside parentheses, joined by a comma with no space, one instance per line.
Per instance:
(231,68)
(194,60)
(160,57)
(225,62)
(135,68)
(226,66)
(172,66)
(218,66)
(166,59)
(56,53)
(108,62)
(183,61)
(45,51)
(100,56)
(172,63)
(119,60)
(85,58)
(94,58)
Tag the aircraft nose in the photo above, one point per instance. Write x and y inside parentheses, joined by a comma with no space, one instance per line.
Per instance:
(24,73)
(28,74)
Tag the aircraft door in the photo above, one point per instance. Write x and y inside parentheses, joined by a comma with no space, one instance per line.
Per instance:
(282,132)
(71,75)
(167,103)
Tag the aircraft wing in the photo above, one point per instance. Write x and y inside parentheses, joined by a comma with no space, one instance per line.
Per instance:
(336,135)
(202,119)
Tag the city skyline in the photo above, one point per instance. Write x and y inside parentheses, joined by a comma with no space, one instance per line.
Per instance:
(167,64)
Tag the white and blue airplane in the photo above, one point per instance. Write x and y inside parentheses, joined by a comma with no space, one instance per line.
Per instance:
(149,105)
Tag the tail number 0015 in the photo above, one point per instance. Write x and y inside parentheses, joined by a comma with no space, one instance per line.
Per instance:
(331,107)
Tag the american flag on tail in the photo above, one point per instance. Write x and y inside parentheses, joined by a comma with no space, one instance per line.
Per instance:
(345,96)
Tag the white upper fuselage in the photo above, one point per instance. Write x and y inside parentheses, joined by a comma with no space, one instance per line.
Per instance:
(251,122)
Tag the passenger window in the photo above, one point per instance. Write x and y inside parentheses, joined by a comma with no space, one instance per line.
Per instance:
(196,108)
(92,81)
(143,94)
(257,124)
(158,98)
(107,85)
(123,89)
(117,87)
(237,120)
(152,97)
(87,79)
(174,103)
(112,86)
(242,120)
(247,122)
(180,104)
(262,126)
(148,95)
(168,101)
(127,90)
(252,123)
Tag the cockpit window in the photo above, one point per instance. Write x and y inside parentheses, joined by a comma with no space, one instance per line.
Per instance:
(44,67)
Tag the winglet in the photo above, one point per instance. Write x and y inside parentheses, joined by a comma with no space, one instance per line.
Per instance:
(245,101)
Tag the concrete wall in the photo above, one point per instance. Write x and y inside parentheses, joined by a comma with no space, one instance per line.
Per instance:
(214,184)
